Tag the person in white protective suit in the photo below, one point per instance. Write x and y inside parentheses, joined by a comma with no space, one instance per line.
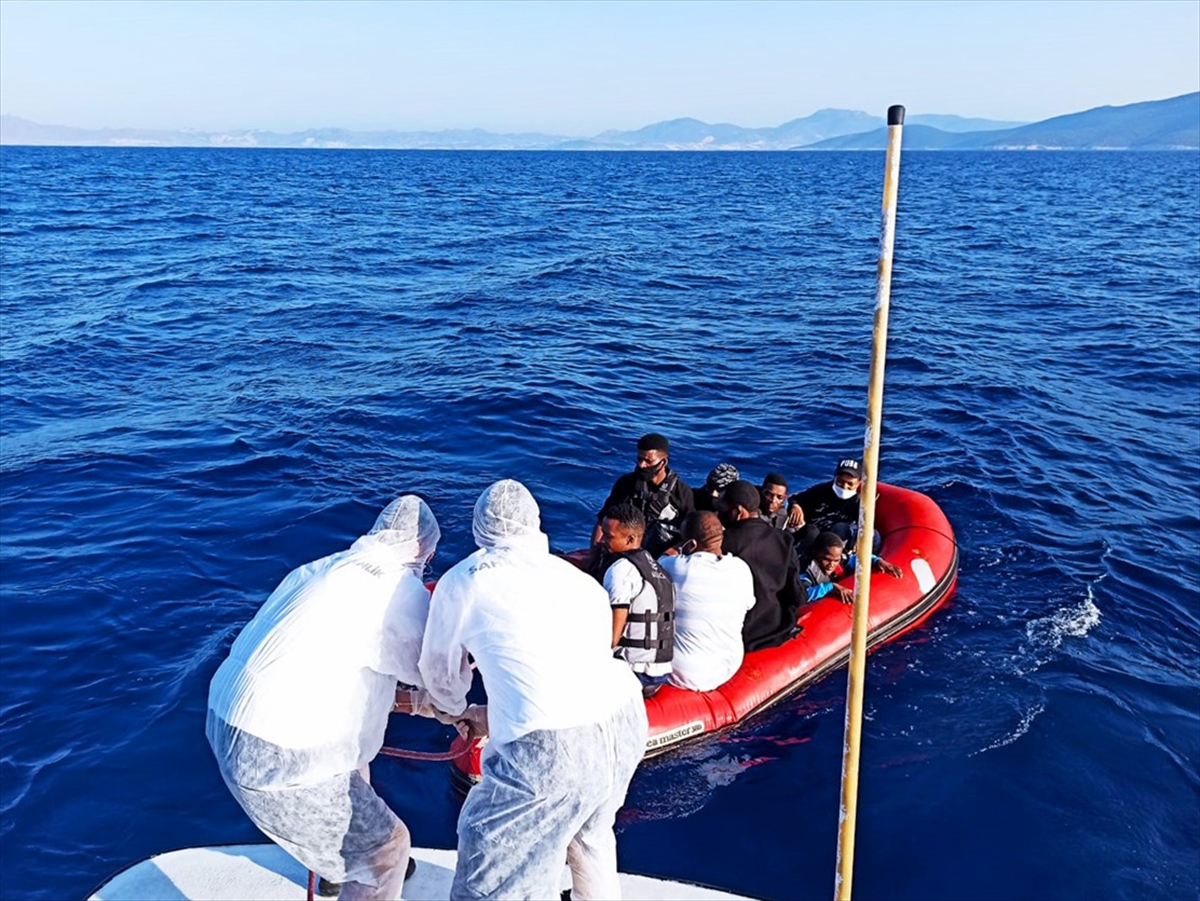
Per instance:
(567,721)
(298,709)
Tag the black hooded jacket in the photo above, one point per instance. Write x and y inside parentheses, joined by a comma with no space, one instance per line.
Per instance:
(769,554)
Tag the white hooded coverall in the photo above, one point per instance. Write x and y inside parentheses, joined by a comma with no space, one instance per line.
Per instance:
(299,708)
(567,720)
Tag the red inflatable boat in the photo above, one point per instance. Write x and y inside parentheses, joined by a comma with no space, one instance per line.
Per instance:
(916,537)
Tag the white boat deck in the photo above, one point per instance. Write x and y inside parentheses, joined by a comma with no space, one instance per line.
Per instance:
(266,873)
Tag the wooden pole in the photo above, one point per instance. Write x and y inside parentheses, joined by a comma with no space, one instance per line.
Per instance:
(866,517)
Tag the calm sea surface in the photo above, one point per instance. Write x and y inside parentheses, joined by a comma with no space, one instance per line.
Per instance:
(219,364)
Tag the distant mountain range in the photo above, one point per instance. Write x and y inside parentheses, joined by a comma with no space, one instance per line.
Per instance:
(692,134)
(1172,124)
(677,134)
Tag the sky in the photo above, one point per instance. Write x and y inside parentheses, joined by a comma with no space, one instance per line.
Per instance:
(579,68)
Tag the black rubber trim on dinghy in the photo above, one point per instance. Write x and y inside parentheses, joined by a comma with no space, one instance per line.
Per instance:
(462,782)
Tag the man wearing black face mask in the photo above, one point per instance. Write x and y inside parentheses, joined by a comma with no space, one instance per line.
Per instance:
(655,489)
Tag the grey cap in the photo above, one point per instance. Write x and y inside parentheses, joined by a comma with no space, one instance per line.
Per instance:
(722,475)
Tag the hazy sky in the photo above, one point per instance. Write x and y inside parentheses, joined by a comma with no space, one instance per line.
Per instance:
(577,68)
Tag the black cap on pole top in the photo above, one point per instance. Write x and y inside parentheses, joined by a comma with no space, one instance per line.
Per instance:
(895,115)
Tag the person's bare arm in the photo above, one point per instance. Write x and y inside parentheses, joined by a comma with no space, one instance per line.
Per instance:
(620,617)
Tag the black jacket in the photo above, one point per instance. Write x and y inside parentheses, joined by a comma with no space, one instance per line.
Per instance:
(823,509)
(664,506)
(769,554)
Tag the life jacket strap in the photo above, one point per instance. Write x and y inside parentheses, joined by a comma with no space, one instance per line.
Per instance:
(649,616)
(645,644)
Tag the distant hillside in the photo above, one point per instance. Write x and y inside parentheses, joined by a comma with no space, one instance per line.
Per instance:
(958,123)
(916,137)
(667,135)
(692,134)
(1172,124)
(823,123)
(14,130)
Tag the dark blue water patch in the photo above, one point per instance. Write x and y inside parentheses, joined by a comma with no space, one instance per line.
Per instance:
(219,364)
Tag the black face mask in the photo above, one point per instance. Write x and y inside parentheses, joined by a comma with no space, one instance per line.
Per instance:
(648,473)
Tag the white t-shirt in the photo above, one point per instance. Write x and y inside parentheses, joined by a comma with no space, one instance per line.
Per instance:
(316,669)
(540,632)
(627,588)
(712,596)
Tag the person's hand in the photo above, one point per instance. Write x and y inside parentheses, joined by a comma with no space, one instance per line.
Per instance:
(843,594)
(474,722)
(890,568)
(795,517)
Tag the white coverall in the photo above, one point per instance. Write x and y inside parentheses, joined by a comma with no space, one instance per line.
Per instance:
(567,720)
(299,708)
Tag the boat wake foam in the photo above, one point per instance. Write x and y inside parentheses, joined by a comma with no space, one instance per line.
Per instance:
(1027,719)
(1068,622)
(685,781)
(1045,635)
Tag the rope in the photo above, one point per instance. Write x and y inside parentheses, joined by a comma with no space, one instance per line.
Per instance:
(430,755)
(890,532)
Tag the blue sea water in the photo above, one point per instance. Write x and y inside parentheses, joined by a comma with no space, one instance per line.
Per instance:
(218,364)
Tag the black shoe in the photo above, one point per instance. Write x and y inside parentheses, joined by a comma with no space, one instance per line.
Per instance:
(410,869)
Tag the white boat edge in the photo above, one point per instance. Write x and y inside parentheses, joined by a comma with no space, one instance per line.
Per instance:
(266,873)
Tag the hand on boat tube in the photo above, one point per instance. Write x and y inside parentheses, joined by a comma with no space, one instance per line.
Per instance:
(795,517)
(843,594)
(890,568)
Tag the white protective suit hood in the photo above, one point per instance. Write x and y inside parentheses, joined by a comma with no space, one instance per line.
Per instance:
(405,530)
(314,672)
(506,515)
